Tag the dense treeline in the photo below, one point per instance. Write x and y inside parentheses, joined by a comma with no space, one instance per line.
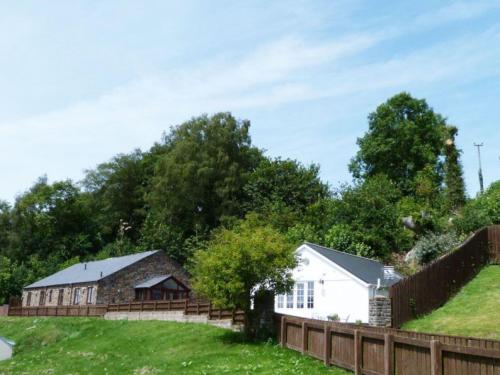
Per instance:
(206,174)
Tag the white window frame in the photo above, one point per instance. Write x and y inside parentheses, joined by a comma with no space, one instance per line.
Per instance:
(310,294)
(289,300)
(90,294)
(76,296)
(300,295)
(281,301)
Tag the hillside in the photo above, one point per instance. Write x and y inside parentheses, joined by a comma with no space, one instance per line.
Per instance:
(96,346)
(474,311)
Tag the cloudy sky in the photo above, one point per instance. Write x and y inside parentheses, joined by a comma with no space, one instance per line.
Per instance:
(81,81)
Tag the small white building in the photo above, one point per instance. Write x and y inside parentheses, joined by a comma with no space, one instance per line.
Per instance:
(6,348)
(329,282)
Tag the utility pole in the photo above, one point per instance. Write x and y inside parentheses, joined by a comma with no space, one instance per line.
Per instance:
(478,145)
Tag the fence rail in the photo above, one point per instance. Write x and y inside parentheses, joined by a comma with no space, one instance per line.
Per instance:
(188,307)
(387,351)
(431,287)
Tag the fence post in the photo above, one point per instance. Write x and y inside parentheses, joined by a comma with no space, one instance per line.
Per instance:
(210,310)
(357,352)
(388,354)
(283,331)
(328,344)
(197,308)
(156,305)
(304,337)
(186,307)
(436,358)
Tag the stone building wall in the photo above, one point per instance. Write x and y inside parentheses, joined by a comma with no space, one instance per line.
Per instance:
(119,287)
(68,295)
(380,313)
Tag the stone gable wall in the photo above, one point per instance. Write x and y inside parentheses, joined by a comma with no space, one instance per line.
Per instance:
(119,287)
(68,292)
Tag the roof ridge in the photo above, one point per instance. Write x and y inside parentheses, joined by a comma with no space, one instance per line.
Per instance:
(342,252)
(121,256)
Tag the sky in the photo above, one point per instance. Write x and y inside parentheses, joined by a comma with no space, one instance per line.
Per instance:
(82,81)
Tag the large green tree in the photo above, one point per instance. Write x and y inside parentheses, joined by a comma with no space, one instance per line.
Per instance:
(405,142)
(200,178)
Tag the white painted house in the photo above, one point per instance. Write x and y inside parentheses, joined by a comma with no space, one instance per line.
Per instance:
(330,282)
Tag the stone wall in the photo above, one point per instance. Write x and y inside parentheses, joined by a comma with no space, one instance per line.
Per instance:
(380,313)
(68,295)
(119,287)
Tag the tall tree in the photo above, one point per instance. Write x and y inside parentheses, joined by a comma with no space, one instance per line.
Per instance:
(405,137)
(200,179)
(453,177)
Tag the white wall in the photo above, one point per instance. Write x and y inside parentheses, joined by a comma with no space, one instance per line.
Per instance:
(335,291)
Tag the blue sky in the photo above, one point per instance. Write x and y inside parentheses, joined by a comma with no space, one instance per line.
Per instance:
(83,81)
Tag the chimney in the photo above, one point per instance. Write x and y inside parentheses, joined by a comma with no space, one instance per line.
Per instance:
(101,273)
(85,266)
(389,272)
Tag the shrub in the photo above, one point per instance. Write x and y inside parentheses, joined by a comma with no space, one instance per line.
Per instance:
(334,317)
(431,246)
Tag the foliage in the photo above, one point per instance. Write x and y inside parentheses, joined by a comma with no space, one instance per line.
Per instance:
(369,210)
(454,181)
(472,312)
(334,317)
(433,245)
(405,136)
(340,237)
(63,346)
(481,211)
(201,177)
(285,181)
(240,261)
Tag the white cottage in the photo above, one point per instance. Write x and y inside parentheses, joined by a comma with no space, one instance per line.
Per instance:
(329,282)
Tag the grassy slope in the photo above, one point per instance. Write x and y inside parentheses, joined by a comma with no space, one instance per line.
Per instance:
(474,311)
(95,346)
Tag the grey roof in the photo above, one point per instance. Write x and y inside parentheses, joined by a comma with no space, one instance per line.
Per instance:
(90,271)
(368,270)
(153,281)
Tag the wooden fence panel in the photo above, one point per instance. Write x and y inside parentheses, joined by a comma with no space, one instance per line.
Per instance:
(388,351)
(435,284)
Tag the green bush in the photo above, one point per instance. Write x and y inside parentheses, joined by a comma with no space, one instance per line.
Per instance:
(431,246)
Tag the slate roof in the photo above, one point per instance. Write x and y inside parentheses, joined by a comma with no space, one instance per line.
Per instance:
(368,270)
(90,271)
(153,281)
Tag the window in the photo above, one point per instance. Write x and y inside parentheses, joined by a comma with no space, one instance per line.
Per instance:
(300,295)
(310,294)
(90,293)
(41,302)
(50,295)
(28,301)
(281,300)
(60,297)
(156,294)
(76,296)
(289,300)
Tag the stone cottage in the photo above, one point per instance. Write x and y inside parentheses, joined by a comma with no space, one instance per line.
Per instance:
(149,275)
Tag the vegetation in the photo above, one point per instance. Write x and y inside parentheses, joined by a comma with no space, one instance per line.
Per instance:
(472,312)
(248,259)
(206,175)
(96,346)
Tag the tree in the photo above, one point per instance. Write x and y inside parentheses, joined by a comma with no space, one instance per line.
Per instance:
(369,209)
(285,181)
(241,261)
(117,191)
(454,181)
(200,178)
(405,137)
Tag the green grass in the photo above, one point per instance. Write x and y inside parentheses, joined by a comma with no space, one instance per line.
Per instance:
(474,311)
(96,346)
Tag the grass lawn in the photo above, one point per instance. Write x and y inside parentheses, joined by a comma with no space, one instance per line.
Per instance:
(96,346)
(474,311)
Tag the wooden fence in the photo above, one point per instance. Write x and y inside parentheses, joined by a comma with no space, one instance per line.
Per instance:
(386,351)
(431,287)
(189,307)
